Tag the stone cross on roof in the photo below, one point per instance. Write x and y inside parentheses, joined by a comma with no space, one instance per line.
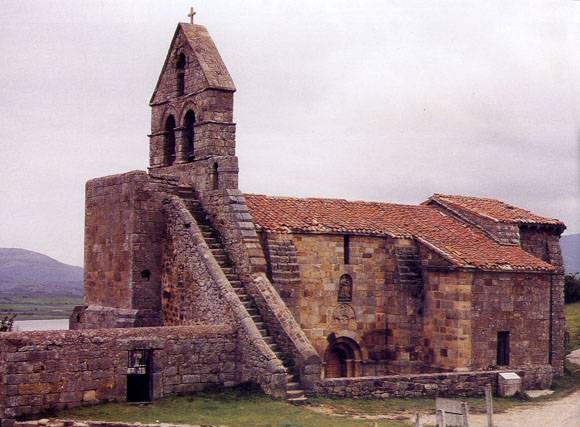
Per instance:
(191,14)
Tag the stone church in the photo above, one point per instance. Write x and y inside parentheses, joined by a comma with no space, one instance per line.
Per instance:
(315,288)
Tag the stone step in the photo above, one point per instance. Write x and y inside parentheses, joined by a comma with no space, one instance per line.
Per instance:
(257,318)
(260,325)
(294,393)
(263,332)
(274,347)
(290,378)
(251,311)
(293,386)
(303,400)
(268,340)
(243,297)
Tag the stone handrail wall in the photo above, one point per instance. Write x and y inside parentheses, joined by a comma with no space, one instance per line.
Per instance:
(259,363)
(414,385)
(54,370)
(230,215)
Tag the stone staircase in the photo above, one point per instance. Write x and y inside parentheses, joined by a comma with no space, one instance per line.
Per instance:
(294,392)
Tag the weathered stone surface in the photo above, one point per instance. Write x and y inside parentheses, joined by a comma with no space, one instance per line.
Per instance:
(90,366)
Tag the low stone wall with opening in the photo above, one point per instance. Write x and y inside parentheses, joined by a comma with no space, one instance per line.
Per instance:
(53,370)
(430,385)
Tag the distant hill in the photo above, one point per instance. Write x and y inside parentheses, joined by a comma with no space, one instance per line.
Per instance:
(31,272)
(571,252)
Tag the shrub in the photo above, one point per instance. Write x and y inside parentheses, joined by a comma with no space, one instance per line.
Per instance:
(7,322)
(571,288)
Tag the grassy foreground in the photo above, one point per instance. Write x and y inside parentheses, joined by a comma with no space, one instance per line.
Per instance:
(231,408)
(573,325)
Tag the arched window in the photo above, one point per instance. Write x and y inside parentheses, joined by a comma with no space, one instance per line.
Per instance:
(180,69)
(189,131)
(215,177)
(345,288)
(169,141)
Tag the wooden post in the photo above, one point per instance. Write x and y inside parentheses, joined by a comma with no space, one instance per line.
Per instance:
(441,418)
(489,405)
(417,420)
(465,415)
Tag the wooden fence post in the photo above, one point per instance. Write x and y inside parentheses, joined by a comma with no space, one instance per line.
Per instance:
(441,418)
(489,405)
(465,411)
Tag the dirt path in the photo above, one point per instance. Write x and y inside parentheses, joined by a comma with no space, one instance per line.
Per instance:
(556,413)
(559,413)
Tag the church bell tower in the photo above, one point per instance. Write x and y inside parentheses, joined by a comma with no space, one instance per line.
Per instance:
(192,130)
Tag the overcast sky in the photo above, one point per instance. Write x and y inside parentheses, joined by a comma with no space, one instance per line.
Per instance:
(363,100)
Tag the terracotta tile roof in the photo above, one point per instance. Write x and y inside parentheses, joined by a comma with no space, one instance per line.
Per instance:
(495,210)
(461,244)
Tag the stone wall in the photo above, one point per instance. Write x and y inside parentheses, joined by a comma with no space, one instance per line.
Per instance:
(123,234)
(384,317)
(61,369)
(518,303)
(447,324)
(441,384)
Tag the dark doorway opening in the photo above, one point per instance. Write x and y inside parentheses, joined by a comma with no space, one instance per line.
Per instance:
(138,376)
(503,348)
(342,359)
(336,363)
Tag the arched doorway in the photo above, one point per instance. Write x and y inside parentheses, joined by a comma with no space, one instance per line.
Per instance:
(342,359)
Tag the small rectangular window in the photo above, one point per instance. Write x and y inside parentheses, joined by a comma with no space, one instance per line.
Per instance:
(346,249)
(503,348)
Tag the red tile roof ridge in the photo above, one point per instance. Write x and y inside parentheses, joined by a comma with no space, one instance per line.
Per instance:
(494,209)
(332,199)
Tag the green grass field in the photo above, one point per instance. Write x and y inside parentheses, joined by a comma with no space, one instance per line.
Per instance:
(32,307)
(232,408)
(573,325)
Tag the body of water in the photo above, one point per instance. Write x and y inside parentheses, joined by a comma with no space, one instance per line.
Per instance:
(41,325)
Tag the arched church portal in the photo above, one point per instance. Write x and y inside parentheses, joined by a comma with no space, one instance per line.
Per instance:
(343,358)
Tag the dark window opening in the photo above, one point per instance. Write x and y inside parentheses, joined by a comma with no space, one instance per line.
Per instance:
(503,348)
(215,177)
(345,288)
(138,376)
(146,274)
(180,66)
(346,244)
(170,141)
(189,135)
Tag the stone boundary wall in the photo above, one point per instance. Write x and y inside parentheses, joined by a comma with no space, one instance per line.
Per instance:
(54,370)
(258,361)
(439,384)
(230,215)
